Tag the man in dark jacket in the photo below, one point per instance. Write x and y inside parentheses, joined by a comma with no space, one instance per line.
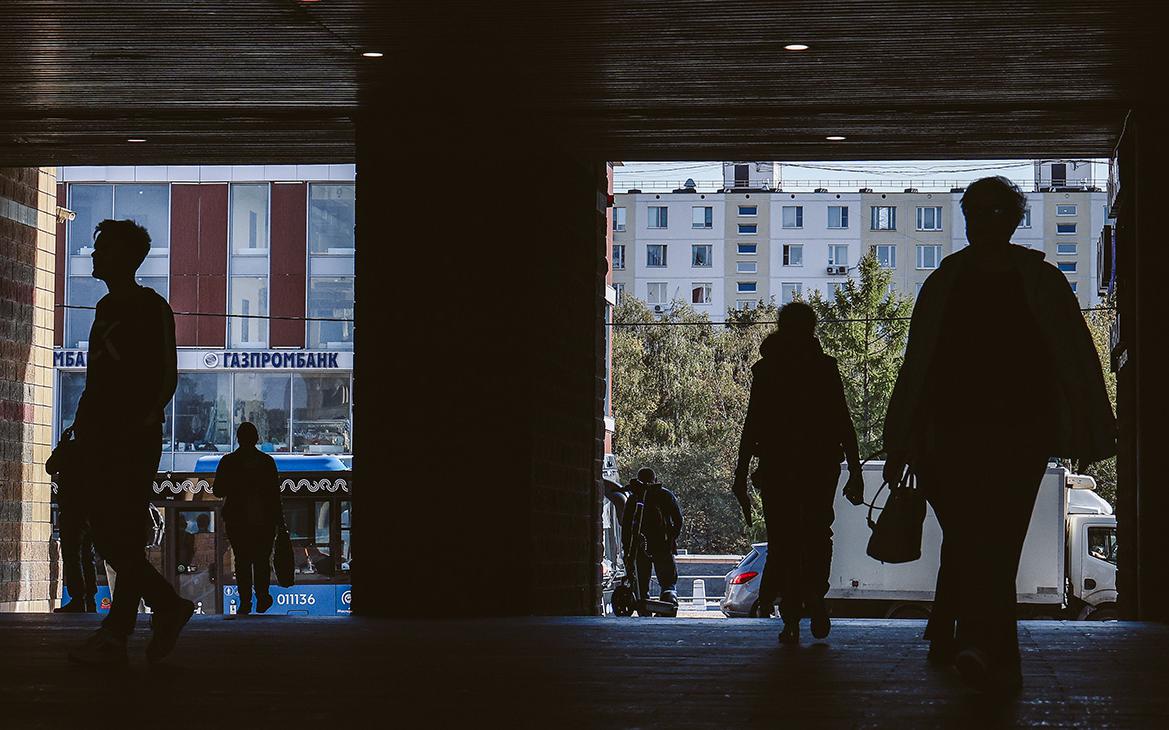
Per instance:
(661,523)
(1000,373)
(130,378)
(799,426)
(248,482)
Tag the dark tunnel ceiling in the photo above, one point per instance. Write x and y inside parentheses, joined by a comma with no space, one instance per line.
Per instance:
(282,80)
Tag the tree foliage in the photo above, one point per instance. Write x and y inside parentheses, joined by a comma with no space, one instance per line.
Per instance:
(1099,324)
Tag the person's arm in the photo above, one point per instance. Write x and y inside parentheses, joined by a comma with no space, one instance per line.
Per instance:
(844,426)
(274,491)
(223,483)
(675,518)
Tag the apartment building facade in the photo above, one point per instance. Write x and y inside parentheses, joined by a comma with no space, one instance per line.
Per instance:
(751,241)
(257,263)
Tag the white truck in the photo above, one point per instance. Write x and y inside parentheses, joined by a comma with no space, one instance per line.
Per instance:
(1067,570)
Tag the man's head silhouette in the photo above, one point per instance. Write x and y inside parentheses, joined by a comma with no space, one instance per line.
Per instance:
(993,207)
(796,321)
(246,434)
(119,249)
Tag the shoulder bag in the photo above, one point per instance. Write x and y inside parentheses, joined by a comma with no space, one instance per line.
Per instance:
(282,560)
(896,534)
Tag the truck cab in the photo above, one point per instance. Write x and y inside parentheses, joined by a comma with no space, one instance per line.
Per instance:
(1091,552)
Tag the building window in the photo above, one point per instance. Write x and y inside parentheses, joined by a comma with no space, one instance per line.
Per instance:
(1067,267)
(746,287)
(330,298)
(618,257)
(659,216)
(793,216)
(202,413)
(656,292)
(703,217)
(793,254)
(331,216)
(619,288)
(749,210)
(748,249)
(838,255)
(838,216)
(834,288)
(81,291)
(701,255)
(618,219)
(886,256)
(1065,229)
(321,422)
(1065,210)
(747,267)
(1066,249)
(1073,285)
(917,289)
(71,384)
(748,229)
(700,293)
(929,219)
(883,218)
(655,255)
(744,304)
(1026,222)
(264,400)
(928,256)
(248,284)
(789,291)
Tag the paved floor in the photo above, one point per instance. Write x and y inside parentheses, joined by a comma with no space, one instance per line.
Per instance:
(575,672)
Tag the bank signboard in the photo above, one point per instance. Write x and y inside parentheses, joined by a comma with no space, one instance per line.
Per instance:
(192,359)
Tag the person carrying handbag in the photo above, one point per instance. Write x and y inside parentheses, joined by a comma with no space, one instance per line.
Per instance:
(1000,373)
(77,557)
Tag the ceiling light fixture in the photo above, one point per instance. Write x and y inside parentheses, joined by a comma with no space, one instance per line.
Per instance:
(136,139)
(835,138)
(795,47)
(373,54)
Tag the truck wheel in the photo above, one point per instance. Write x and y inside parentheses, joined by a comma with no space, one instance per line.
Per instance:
(909,610)
(622,601)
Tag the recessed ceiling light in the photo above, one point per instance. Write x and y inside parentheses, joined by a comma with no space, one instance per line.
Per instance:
(795,47)
(373,54)
(136,139)
(834,138)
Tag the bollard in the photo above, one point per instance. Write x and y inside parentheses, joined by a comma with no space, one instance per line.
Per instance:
(699,596)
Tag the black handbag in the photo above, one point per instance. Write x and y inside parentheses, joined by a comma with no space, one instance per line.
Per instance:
(66,457)
(896,534)
(282,560)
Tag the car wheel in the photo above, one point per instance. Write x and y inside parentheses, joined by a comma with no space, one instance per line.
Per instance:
(757,611)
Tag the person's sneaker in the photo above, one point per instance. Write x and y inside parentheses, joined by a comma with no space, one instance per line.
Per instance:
(821,624)
(790,633)
(263,603)
(91,604)
(974,666)
(103,648)
(165,627)
(75,605)
(670,596)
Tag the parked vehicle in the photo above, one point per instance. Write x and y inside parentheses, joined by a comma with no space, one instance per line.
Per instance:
(1067,571)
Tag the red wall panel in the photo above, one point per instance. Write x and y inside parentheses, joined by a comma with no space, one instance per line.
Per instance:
(59,276)
(212,265)
(184,258)
(288,264)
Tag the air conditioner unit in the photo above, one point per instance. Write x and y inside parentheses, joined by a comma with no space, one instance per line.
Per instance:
(831,269)
(658,309)
(842,269)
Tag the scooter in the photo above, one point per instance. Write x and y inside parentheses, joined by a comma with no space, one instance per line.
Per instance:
(625,592)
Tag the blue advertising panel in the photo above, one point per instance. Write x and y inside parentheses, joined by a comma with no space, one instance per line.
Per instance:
(305,600)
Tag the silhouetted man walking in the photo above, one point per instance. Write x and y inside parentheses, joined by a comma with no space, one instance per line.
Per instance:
(77,557)
(1000,373)
(799,426)
(130,378)
(248,482)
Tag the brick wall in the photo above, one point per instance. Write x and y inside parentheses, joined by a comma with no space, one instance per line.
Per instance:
(28,225)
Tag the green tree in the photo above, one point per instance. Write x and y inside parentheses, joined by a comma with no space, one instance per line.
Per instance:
(1099,324)
(865,326)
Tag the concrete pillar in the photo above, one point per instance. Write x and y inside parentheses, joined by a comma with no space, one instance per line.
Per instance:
(27,247)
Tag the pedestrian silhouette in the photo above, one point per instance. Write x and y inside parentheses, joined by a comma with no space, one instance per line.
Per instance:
(799,426)
(248,482)
(77,556)
(130,379)
(1000,374)
(661,523)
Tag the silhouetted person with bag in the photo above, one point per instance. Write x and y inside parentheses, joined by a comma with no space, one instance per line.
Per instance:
(130,378)
(799,426)
(249,483)
(661,524)
(1000,374)
(77,557)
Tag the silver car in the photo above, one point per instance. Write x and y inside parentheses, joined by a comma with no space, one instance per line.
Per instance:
(741,598)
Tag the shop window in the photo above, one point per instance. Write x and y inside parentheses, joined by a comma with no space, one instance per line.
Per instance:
(321,414)
(331,298)
(202,413)
(264,400)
